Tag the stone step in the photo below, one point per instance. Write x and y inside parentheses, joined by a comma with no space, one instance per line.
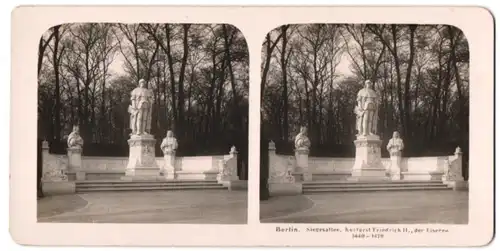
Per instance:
(344,182)
(349,185)
(129,189)
(187,184)
(143,181)
(373,189)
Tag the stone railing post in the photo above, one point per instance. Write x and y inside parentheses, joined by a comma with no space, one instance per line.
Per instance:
(458,163)
(271,152)
(45,159)
(228,167)
(271,148)
(54,178)
(45,150)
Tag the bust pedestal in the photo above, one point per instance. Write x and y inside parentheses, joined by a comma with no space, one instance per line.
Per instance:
(302,158)
(368,164)
(141,163)
(395,167)
(169,169)
(75,162)
(75,157)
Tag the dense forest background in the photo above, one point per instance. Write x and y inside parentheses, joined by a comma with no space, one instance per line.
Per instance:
(198,73)
(421,73)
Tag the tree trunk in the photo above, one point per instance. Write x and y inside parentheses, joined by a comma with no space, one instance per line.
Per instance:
(407,107)
(181,105)
(284,29)
(57,94)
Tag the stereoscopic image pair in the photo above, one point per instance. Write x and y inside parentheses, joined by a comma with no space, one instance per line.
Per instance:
(148,123)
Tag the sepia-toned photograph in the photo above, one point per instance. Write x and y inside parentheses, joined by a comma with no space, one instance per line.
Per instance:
(142,123)
(364,124)
(204,126)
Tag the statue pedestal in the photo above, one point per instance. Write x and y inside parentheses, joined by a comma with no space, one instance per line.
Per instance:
(302,163)
(395,168)
(141,163)
(74,158)
(368,164)
(169,169)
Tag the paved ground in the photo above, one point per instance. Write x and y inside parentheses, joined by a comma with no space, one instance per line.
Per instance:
(196,207)
(445,207)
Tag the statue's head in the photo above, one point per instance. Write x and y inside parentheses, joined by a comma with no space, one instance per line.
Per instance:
(142,83)
(170,134)
(76,129)
(303,130)
(395,135)
(368,84)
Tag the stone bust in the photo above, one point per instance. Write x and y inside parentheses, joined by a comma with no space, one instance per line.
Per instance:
(395,145)
(301,140)
(169,143)
(74,138)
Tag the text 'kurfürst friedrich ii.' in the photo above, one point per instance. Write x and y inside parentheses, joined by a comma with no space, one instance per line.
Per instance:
(365,232)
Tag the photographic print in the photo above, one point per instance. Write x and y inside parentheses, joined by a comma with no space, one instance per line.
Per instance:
(310,126)
(142,123)
(365,123)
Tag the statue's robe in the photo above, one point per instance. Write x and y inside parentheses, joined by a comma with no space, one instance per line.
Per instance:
(302,141)
(168,143)
(367,109)
(74,139)
(143,98)
(395,142)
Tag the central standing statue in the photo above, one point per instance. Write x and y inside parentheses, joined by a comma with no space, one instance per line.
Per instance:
(366,110)
(141,162)
(367,164)
(140,109)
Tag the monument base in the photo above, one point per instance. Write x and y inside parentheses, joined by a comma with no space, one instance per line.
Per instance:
(368,164)
(143,178)
(369,174)
(396,176)
(169,174)
(142,163)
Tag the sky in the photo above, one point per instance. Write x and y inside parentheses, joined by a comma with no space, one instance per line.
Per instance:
(117,66)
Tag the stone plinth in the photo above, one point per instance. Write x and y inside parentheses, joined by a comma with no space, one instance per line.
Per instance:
(302,163)
(368,164)
(169,168)
(395,166)
(141,163)
(74,158)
